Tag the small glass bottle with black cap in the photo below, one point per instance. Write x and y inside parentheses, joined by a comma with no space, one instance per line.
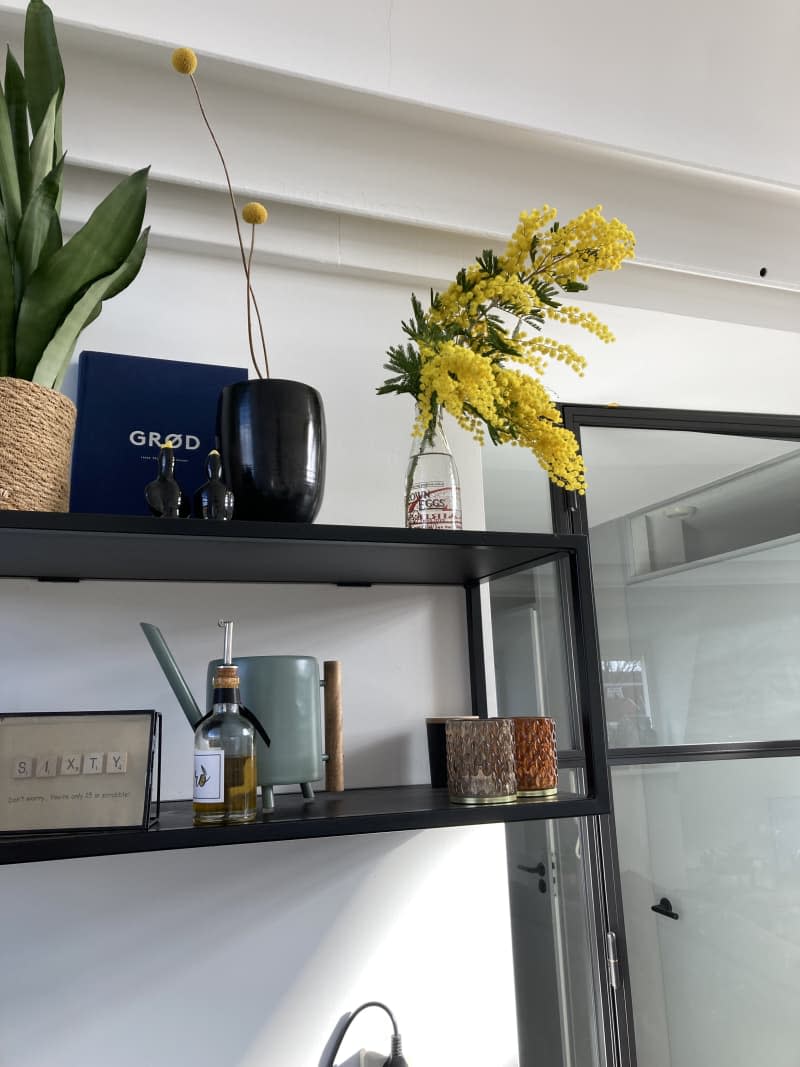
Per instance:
(224,752)
(214,500)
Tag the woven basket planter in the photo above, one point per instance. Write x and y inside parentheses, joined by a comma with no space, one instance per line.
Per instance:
(37,426)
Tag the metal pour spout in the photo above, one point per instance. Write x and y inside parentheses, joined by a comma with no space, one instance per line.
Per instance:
(227,653)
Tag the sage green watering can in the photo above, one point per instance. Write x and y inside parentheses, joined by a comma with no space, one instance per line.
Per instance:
(283,693)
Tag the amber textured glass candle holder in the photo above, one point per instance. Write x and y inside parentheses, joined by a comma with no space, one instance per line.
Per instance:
(480,761)
(536,757)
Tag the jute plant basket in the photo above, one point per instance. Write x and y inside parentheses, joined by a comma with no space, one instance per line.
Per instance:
(37,426)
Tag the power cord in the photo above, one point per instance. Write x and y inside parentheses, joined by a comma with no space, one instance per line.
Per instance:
(396,1058)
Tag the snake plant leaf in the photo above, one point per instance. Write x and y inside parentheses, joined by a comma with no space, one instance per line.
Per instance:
(9,181)
(7,311)
(56,357)
(17,104)
(43,146)
(99,247)
(44,72)
(36,235)
(54,239)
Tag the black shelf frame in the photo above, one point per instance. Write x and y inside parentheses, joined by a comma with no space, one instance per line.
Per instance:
(128,548)
(356,811)
(54,547)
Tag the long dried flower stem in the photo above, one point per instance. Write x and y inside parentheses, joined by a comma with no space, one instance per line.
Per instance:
(245,263)
(249,288)
(260,323)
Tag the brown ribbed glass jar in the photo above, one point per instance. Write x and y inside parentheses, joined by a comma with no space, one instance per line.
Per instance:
(536,756)
(480,761)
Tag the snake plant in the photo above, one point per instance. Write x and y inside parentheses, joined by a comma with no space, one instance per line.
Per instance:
(51,289)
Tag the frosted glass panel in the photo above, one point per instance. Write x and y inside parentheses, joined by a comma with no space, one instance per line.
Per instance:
(721,840)
(695,544)
(532,675)
(630,470)
(516,492)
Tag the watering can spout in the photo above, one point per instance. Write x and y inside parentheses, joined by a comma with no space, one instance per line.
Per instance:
(173,673)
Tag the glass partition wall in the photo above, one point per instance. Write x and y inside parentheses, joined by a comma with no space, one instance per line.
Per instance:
(694,528)
(668,933)
(554,931)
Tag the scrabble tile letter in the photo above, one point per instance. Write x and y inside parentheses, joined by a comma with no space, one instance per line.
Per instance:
(23,767)
(93,763)
(46,766)
(71,763)
(116,762)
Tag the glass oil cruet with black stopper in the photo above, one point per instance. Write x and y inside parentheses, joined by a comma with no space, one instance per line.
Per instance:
(224,752)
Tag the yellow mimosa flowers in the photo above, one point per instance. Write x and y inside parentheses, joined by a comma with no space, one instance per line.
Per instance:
(477,352)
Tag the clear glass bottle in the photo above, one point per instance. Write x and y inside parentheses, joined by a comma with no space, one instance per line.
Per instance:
(224,758)
(433,491)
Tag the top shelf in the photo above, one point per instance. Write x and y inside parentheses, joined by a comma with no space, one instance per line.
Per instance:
(132,548)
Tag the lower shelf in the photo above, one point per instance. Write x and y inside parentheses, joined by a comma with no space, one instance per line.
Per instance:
(356,811)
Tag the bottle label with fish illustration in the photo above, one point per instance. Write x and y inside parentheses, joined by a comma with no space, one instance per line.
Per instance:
(209,777)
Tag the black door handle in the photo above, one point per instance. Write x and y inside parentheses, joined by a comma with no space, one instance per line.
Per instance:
(664,907)
(539,869)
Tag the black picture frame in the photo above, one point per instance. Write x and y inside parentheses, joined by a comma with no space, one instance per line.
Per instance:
(148,783)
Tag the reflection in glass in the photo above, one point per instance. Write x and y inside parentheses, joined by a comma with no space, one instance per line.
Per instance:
(695,544)
(530,655)
(554,967)
(516,491)
(721,840)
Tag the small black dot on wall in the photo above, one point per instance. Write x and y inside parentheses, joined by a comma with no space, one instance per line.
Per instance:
(763,272)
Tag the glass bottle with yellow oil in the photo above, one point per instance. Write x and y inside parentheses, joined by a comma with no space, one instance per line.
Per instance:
(224,753)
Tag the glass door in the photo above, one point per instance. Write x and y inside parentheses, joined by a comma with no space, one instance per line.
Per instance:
(694,525)
(559,976)
(714,846)
(555,965)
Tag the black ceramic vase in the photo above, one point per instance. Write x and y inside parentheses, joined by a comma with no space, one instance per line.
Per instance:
(272,439)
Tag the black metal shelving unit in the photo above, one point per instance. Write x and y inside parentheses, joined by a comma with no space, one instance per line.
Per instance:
(356,811)
(52,547)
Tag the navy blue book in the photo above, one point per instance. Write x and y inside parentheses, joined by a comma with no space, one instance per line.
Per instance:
(128,405)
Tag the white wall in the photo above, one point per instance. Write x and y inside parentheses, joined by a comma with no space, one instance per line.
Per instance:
(318,929)
(249,955)
(699,83)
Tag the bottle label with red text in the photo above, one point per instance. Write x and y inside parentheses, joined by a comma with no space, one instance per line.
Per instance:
(434,506)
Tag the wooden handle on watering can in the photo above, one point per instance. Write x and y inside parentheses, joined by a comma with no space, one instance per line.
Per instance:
(334,742)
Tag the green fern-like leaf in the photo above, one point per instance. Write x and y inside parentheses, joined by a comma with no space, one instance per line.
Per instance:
(489,263)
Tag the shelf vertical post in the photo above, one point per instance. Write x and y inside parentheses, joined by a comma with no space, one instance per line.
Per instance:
(587,675)
(475,644)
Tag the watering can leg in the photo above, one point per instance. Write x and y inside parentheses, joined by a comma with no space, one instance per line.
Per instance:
(268,797)
(308,792)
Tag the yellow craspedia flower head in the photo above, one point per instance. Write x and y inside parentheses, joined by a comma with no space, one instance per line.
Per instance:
(254,213)
(184,61)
